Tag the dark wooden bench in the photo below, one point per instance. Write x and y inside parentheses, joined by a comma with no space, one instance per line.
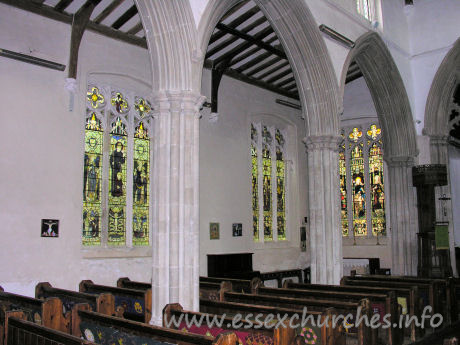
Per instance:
(108,330)
(48,313)
(408,295)
(432,291)
(136,304)
(324,334)
(381,303)
(127,283)
(103,303)
(363,332)
(238,285)
(22,332)
(280,275)
(246,332)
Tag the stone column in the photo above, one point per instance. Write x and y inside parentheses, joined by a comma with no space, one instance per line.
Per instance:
(324,205)
(175,190)
(403,215)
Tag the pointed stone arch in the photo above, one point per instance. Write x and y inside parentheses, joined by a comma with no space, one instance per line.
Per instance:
(171,38)
(388,93)
(297,30)
(299,34)
(439,99)
(393,110)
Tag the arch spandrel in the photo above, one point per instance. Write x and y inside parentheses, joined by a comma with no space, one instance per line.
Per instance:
(439,97)
(296,28)
(171,38)
(388,93)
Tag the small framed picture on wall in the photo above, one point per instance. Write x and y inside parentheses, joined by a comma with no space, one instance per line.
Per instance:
(50,228)
(214,231)
(237,229)
(303,239)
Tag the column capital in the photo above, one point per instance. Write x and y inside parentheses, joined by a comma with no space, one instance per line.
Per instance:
(183,101)
(322,142)
(400,161)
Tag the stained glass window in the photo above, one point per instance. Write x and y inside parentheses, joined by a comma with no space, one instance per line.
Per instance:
(141,186)
(117,184)
(92,177)
(377,192)
(267,185)
(268,163)
(343,191)
(363,158)
(126,169)
(255,184)
(359,193)
(280,186)
(363,7)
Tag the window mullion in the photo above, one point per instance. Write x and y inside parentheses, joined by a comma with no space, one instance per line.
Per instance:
(367,185)
(105,179)
(274,186)
(349,179)
(129,181)
(260,184)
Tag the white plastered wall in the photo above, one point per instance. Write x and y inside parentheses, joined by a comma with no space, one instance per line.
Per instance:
(42,154)
(225,176)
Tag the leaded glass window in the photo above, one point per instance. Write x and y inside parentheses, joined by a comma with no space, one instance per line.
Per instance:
(268,165)
(365,8)
(117,150)
(361,167)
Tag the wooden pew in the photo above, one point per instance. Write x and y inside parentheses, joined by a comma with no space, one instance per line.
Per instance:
(408,295)
(22,332)
(208,290)
(4,318)
(325,334)
(432,291)
(381,303)
(214,291)
(103,303)
(136,304)
(112,330)
(421,303)
(364,333)
(48,313)
(239,285)
(279,275)
(127,283)
(246,332)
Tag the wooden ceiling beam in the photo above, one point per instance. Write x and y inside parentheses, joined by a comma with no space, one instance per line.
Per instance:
(107,11)
(79,24)
(131,12)
(285,82)
(279,76)
(135,29)
(239,76)
(234,9)
(235,23)
(233,39)
(251,52)
(242,47)
(254,40)
(62,5)
(49,12)
(251,63)
(266,65)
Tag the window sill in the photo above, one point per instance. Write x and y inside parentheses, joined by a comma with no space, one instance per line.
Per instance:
(366,241)
(115,253)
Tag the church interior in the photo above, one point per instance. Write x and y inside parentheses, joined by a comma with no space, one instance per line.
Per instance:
(176,157)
